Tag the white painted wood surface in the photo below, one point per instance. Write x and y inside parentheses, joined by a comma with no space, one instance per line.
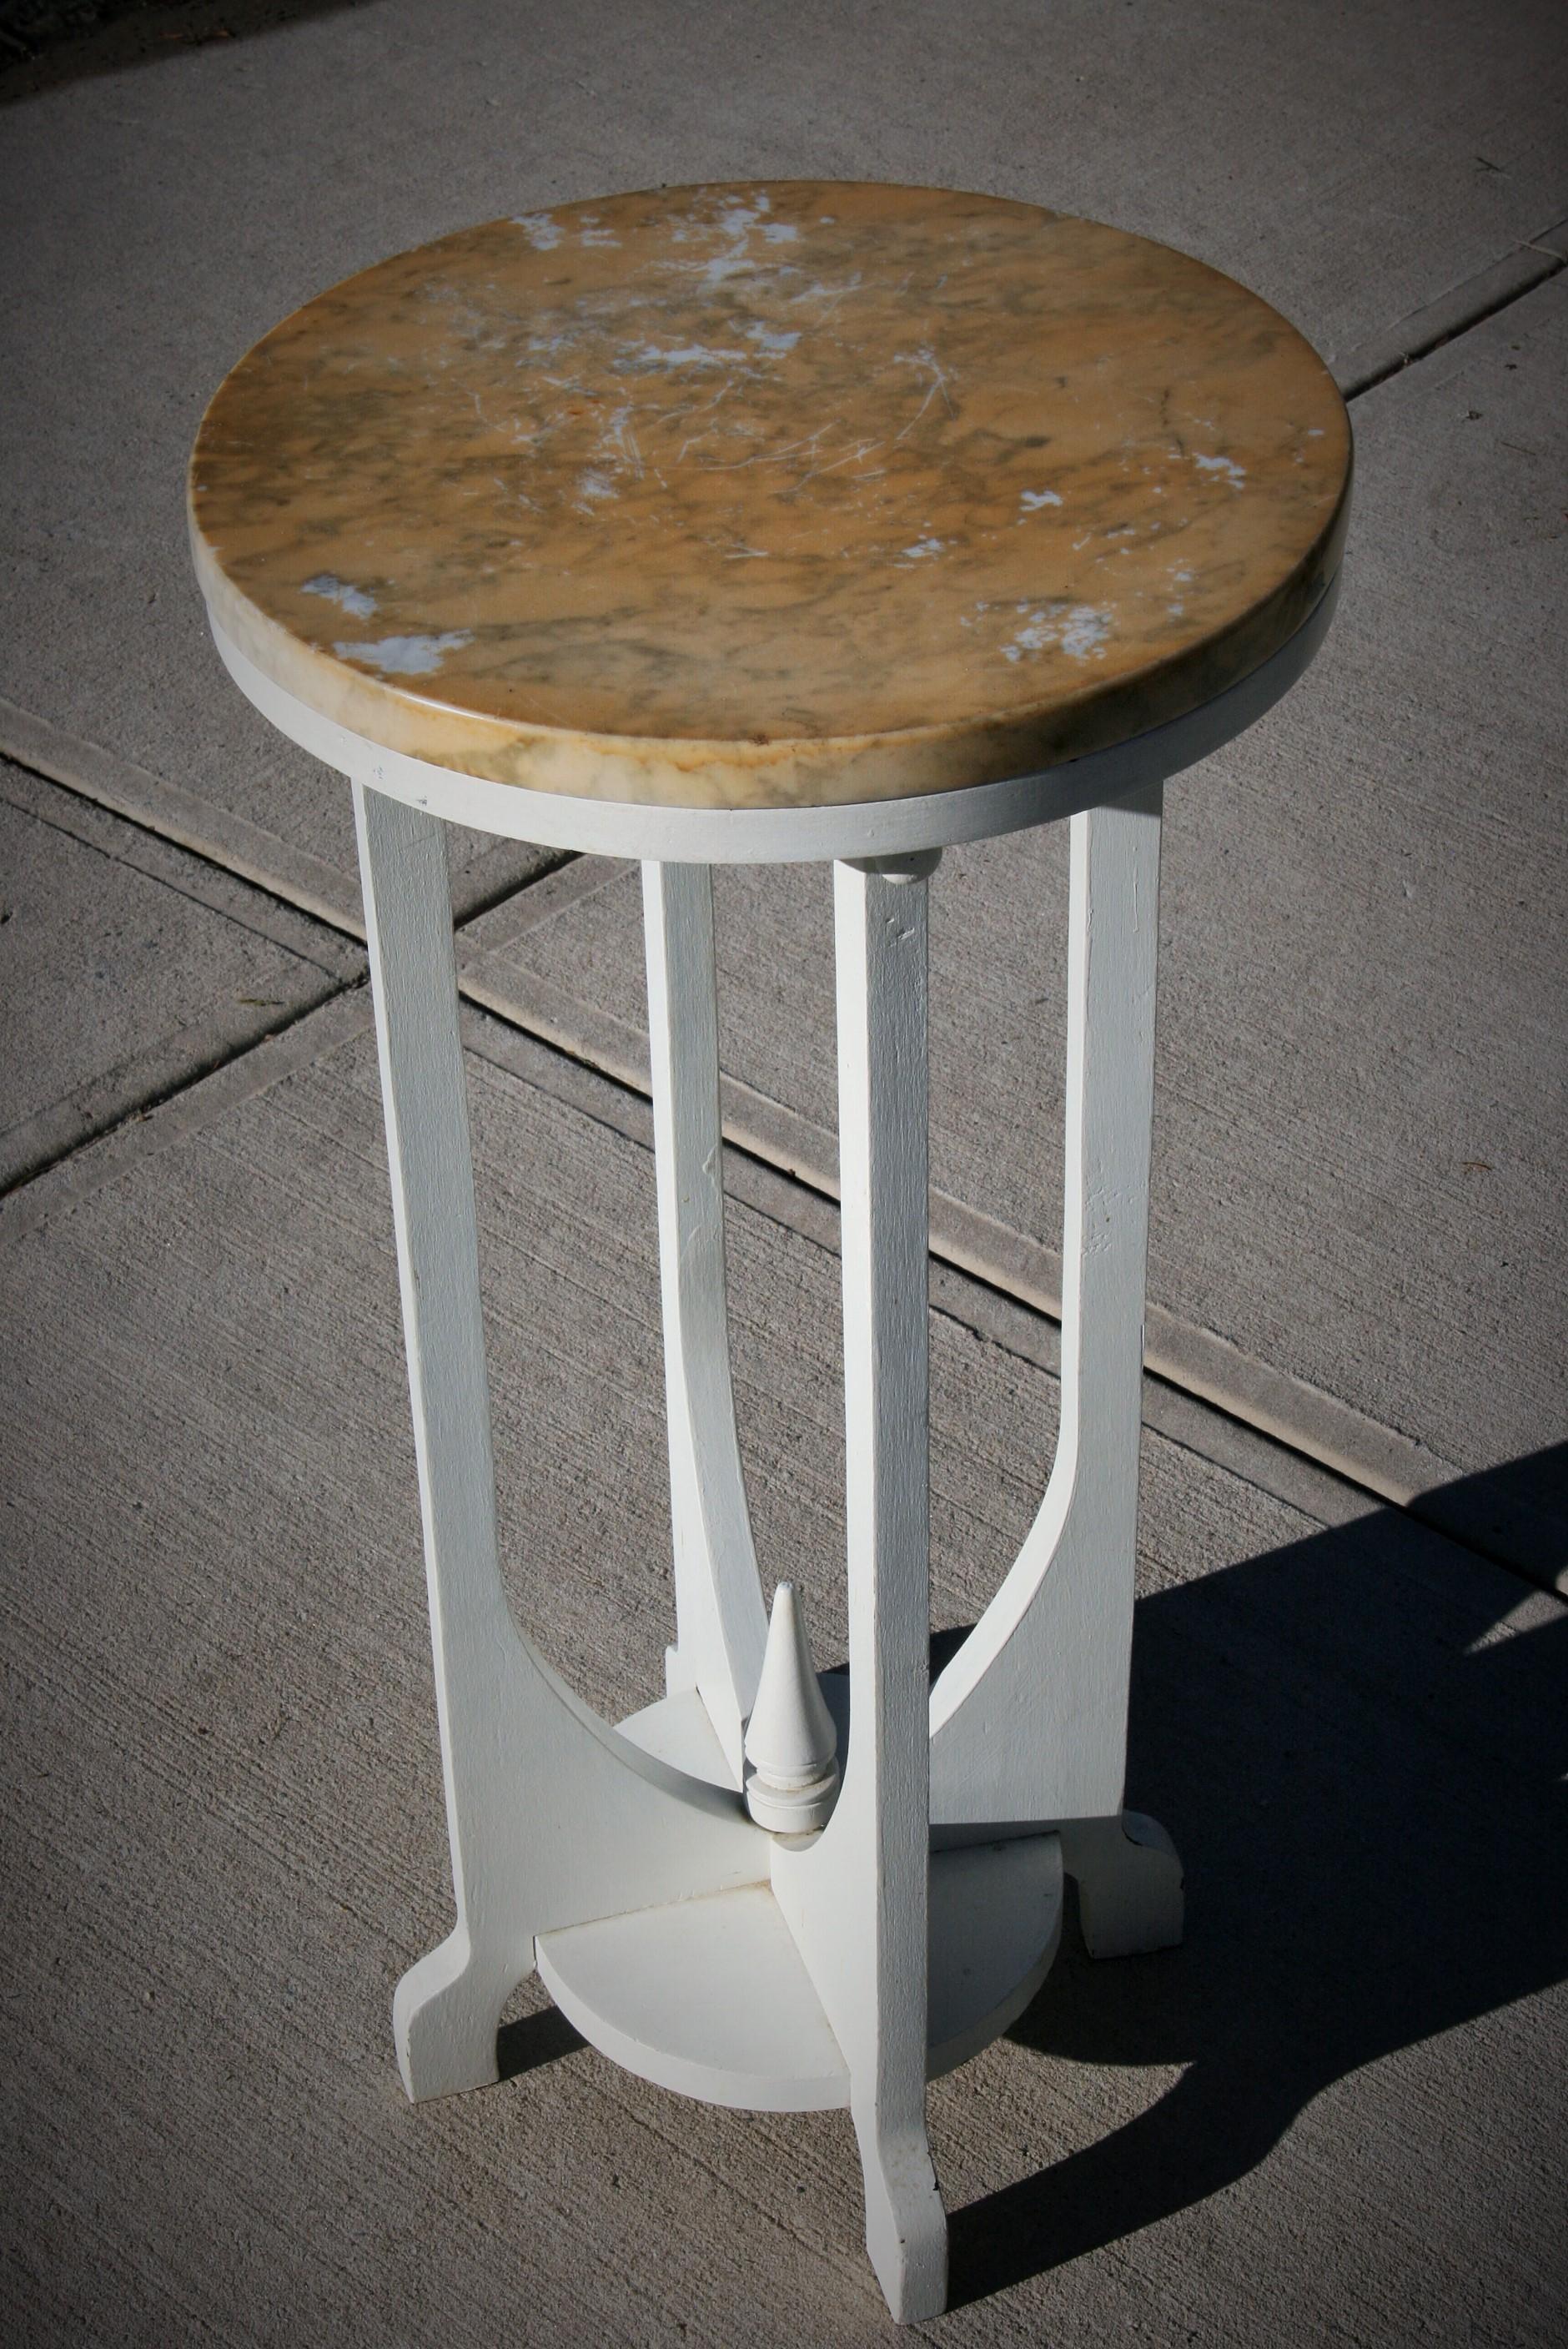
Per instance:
(1029,1719)
(552,1818)
(687,1941)
(656,1990)
(856,1901)
(1129,1881)
(791,1744)
(720,1622)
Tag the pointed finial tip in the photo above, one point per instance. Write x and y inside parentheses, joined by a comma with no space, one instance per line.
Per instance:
(792,1773)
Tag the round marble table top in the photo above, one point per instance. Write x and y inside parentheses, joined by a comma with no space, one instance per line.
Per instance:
(769,495)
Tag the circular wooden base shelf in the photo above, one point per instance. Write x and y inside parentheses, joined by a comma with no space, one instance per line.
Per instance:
(711,1997)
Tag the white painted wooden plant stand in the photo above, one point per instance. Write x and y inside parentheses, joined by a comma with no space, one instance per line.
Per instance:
(849,1964)
(790,1972)
(845,1966)
(770,1889)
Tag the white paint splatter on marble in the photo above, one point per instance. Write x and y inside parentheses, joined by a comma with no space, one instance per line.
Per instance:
(1226,467)
(1079,630)
(651,391)
(407,655)
(653,356)
(357,602)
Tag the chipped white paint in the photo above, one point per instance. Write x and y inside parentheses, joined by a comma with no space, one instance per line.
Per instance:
(1037,631)
(1226,467)
(1033,500)
(542,233)
(687,354)
(733,226)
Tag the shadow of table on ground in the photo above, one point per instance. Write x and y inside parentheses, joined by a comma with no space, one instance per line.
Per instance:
(1362,1765)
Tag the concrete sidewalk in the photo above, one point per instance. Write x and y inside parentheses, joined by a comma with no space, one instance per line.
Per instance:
(1362,1024)
(1337,2111)
(1358,1221)
(1334,2111)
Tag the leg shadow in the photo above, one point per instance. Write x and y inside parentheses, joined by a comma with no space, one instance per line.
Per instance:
(1365,1782)
(535,2039)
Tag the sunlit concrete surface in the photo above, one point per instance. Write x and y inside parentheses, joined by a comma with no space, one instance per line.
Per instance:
(1337,2111)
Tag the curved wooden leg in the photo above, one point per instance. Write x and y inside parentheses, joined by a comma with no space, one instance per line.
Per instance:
(720,1623)
(858,1901)
(1029,1719)
(1129,1884)
(553,1818)
(446,2014)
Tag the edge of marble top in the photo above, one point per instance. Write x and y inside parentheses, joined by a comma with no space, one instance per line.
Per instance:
(878,828)
(792,773)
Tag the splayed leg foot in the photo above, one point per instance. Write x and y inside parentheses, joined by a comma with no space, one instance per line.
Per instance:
(1129,1884)
(906,2228)
(446,2012)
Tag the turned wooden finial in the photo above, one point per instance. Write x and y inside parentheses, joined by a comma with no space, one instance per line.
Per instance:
(791,1746)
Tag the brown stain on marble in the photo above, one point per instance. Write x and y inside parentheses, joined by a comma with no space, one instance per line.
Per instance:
(770,495)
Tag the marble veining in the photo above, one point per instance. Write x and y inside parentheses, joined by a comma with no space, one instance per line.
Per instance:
(770,495)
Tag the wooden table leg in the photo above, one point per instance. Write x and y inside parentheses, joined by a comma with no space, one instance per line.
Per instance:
(1029,1719)
(720,1624)
(554,1817)
(858,1902)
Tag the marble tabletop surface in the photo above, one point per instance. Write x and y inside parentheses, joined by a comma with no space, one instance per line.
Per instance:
(771,495)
